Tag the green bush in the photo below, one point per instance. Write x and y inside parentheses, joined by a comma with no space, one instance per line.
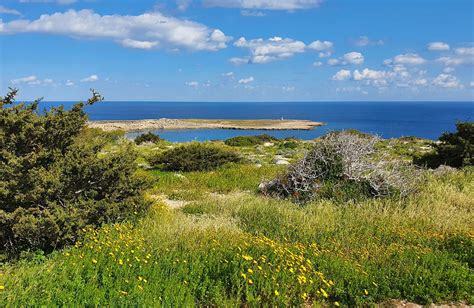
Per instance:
(147,137)
(454,149)
(246,141)
(53,182)
(194,157)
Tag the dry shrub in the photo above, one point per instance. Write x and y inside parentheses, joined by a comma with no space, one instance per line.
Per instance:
(348,158)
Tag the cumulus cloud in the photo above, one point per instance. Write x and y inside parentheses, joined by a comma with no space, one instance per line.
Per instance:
(365,41)
(369,74)
(265,51)
(318,63)
(91,78)
(321,45)
(228,74)
(239,61)
(342,75)
(4,10)
(447,81)
(69,83)
(461,56)
(144,31)
(406,59)
(438,46)
(349,58)
(246,80)
(286,5)
(193,84)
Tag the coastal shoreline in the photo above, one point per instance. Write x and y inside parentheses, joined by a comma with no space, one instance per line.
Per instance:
(178,124)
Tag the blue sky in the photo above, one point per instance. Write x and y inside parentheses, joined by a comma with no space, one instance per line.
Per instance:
(239,50)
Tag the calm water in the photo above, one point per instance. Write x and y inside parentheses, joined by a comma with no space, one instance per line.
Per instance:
(388,119)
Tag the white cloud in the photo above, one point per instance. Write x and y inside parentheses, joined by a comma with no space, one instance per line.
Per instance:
(265,51)
(69,83)
(63,2)
(342,75)
(288,88)
(406,59)
(4,10)
(246,80)
(471,84)
(321,45)
(286,5)
(464,51)
(183,4)
(448,70)
(369,74)
(317,63)
(251,13)
(447,81)
(420,82)
(28,79)
(238,61)
(353,58)
(91,78)
(349,58)
(365,41)
(137,31)
(32,80)
(228,74)
(138,44)
(438,46)
(193,84)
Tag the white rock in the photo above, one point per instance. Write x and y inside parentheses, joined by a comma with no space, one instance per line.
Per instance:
(282,162)
(268,144)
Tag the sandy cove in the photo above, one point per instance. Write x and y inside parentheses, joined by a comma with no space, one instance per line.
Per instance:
(172,124)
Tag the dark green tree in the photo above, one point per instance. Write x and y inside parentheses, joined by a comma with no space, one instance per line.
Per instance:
(453,149)
(54,178)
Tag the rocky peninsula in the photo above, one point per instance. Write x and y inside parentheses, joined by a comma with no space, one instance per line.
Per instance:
(174,124)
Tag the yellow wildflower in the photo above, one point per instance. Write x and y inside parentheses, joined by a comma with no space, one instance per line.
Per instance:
(324,293)
(120,262)
(94,261)
(247,258)
(2,288)
(250,281)
(250,271)
(277,293)
(366,292)
(243,275)
(337,304)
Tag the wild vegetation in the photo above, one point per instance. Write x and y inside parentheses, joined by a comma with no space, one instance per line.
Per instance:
(55,179)
(226,244)
(147,137)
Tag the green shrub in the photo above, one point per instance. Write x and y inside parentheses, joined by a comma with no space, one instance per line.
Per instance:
(147,137)
(194,157)
(52,180)
(454,149)
(245,141)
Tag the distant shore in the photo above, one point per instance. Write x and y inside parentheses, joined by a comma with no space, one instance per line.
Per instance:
(173,124)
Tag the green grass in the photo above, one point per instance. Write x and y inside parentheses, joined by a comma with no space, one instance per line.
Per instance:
(230,247)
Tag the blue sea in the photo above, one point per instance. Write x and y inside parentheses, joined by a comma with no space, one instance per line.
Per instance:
(387,119)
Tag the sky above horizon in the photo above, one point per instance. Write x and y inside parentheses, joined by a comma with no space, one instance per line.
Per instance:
(239,50)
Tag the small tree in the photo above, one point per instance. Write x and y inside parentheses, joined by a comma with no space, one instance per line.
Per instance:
(147,137)
(454,149)
(52,180)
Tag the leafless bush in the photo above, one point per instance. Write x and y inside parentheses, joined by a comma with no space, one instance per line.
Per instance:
(343,156)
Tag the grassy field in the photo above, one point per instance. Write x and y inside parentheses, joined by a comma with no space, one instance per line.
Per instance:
(229,246)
